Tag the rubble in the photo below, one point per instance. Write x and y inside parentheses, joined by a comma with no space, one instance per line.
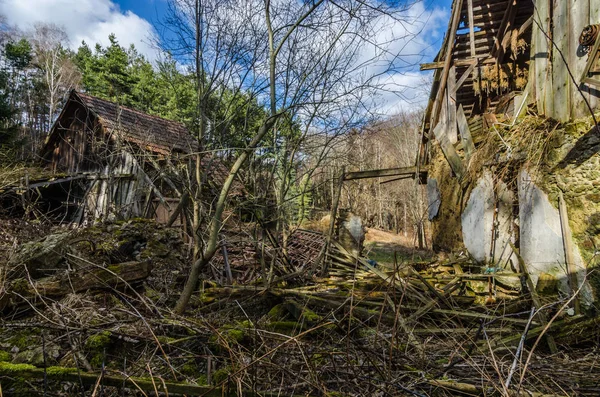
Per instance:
(440,327)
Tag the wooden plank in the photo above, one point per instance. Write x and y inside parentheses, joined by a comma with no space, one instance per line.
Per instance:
(471,26)
(540,54)
(568,246)
(447,60)
(465,133)
(451,129)
(578,19)
(560,74)
(465,76)
(594,17)
(449,151)
(402,171)
(474,315)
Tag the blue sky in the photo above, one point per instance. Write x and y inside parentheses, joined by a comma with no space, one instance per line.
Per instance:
(133,22)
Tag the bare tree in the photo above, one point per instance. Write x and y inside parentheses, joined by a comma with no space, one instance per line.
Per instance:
(305,60)
(51,57)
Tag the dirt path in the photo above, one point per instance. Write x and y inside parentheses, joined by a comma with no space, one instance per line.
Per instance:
(381,246)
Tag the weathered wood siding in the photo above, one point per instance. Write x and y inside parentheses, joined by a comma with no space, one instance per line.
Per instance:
(119,190)
(554,62)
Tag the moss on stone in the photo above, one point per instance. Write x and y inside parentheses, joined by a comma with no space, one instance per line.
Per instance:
(284,327)
(277,312)
(202,380)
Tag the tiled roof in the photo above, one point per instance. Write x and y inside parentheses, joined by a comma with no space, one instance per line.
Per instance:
(149,132)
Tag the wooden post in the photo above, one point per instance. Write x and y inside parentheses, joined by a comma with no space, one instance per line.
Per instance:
(568,246)
(451,110)
(226,264)
(334,208)
(182,203)
(471,27)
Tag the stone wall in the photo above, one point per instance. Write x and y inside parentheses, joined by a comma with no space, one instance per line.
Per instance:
(565,159)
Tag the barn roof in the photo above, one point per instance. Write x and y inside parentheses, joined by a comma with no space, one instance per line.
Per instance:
(149,132)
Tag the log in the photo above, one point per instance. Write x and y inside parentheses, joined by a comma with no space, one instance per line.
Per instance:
(26,371)
(112,277)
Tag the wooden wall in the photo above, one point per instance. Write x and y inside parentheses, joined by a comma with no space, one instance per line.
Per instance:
(557,95)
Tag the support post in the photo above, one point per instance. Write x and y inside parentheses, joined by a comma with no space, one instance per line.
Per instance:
(334,208)
(568,246)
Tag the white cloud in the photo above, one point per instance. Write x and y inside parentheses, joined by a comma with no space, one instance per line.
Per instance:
(414,39)
(89,20)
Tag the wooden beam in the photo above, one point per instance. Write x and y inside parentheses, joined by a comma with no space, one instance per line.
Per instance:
(447,61)
(449,151)
(465,76)
(503,37)
(471,26)
(465,133)
(403,171)
(89,278)
(568,246)
(149,385)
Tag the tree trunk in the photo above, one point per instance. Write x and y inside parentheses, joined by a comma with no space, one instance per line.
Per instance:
(215,227)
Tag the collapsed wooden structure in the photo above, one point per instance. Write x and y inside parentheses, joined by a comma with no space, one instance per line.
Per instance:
(500,60)
(105,161)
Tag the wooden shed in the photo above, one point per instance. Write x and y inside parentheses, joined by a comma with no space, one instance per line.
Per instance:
(114,162)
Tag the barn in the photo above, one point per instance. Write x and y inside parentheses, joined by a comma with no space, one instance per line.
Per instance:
(103,162)
(510,139)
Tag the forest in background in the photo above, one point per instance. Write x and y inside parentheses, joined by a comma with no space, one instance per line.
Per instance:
(38,69)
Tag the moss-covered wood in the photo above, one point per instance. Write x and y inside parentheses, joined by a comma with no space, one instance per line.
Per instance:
(21,292)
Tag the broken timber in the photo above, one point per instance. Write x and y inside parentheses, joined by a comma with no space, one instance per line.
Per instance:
(465,133)
(449,151)
(89,278)
(408,172)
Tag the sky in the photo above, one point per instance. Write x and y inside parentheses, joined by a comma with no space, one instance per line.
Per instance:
(134,21)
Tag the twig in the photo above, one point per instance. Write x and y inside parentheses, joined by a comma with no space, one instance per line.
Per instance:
(519,348)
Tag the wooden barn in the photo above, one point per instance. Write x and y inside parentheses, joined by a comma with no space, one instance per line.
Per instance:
(510,140)
(109,162)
